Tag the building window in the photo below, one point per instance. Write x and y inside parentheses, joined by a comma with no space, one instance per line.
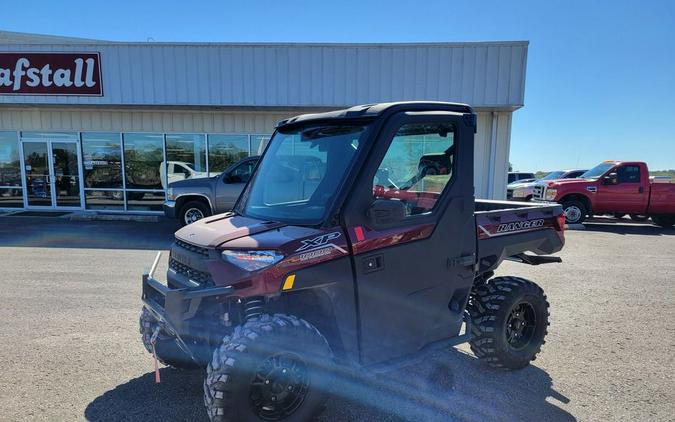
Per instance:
(258,143)
(102,160)
(143,157)
(145,201)
(225,150)
(11,194)
(112,200)
(10,167)
(185,158)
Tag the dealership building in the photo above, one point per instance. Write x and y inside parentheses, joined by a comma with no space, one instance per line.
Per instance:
(104,126)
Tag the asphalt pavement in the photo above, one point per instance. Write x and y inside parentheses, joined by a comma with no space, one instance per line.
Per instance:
(70,348)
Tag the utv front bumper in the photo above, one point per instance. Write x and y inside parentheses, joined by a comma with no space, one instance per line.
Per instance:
(176,308)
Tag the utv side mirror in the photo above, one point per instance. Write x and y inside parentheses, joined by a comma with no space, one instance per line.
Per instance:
(385,213)
(610,179)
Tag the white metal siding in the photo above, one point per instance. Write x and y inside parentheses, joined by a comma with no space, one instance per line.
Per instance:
(298,75)
(163,121)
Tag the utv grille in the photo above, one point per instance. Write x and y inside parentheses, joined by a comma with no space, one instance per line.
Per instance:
(509,193)
(192,248)
(199,277)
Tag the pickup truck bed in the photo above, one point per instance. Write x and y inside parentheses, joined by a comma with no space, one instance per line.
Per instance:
(505,229)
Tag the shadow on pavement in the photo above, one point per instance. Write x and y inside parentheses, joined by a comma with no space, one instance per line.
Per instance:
(450,385)
(63,233)
(645,229)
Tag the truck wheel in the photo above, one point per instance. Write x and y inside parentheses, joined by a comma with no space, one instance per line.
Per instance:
(664,220)
(509,318)
(272,368)
(168,352)
(575,212)
(638,217)
(193,211)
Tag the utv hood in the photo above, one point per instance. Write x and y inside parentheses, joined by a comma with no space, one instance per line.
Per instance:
(213,231)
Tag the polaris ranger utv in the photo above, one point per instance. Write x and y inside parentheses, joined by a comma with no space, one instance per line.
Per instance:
(359,262)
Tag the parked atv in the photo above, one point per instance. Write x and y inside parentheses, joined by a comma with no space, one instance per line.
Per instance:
(347,268)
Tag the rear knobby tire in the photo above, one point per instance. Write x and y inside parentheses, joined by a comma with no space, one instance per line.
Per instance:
(168,352)
(664,221)
(493,307)
(269,363)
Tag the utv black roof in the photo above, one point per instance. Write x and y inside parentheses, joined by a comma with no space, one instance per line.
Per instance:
(374,110)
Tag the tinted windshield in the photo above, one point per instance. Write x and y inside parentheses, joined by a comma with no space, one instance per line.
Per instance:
(300,173)
(597,171)
(553,175)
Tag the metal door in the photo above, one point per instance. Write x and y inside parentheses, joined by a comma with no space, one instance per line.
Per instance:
(413,279)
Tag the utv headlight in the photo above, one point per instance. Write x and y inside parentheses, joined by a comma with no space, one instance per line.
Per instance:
(518,193)
(252,260)
(170,195)
(550,194)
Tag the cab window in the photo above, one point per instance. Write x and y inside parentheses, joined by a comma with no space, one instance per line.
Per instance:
(242,172)
(417,166)
(628,174)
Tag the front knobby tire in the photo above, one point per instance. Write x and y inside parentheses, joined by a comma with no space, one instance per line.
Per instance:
(509,318)
(168,352)
(275,367)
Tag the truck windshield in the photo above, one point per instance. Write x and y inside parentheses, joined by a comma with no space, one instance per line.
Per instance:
(553,175)
(597,171)
(300,173)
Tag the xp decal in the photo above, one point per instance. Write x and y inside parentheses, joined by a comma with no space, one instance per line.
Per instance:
(318,241)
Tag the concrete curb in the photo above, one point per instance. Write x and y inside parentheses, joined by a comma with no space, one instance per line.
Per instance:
(114,217)
(575,227)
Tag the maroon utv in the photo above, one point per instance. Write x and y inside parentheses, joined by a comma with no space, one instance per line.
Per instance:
(349,248)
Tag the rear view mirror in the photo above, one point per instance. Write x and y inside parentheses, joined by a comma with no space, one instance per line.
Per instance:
(385,213)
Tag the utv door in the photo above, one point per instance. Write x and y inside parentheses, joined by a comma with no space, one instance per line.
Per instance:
(413,276)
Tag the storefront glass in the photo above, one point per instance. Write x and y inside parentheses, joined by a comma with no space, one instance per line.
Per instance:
(145,201)
(102,160)
(258,143)
(11,195)
(143,157)
(104,200)
(10,166)
(185,158)
(225,150)
(118,171)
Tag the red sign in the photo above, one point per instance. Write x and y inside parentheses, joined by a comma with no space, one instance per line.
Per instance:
(50,74)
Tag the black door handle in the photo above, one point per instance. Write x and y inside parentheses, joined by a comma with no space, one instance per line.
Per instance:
(641,189)
(373,263)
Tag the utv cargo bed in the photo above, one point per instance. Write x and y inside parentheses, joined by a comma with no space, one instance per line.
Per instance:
(507,229)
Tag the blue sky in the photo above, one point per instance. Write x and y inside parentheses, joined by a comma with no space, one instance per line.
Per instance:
(600,75)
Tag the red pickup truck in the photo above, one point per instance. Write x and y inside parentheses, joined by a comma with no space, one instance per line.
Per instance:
(612,187)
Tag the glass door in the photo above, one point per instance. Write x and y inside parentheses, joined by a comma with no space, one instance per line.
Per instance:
(38,174)
(52,175)
(65,169)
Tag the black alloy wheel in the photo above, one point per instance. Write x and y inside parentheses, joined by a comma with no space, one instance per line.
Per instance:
(520,325)
(279,386)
